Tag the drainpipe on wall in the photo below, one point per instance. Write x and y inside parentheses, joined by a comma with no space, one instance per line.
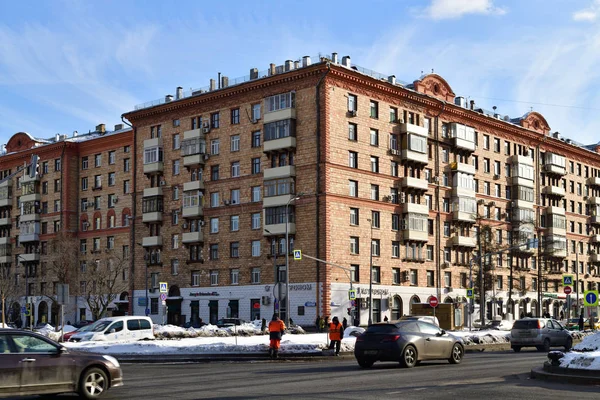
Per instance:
(132,222)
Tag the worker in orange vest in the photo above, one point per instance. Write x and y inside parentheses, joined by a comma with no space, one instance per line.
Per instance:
(336,333)
(276,328)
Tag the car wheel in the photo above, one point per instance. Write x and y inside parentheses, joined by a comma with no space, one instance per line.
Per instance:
(516,348)
(546,345)
(409,357)
(569,344)
(93,383)
(457,354)
(365,362)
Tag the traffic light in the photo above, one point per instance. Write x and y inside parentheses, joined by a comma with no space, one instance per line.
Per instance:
(33,167)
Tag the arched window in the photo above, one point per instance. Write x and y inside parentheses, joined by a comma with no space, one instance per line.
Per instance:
(111,219)
(97,221)
(83,223)
(415,299)
(396,308)
(125,217)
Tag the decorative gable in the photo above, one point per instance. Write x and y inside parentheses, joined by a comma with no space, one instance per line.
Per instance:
(436,86)
(20,141)
(535,122)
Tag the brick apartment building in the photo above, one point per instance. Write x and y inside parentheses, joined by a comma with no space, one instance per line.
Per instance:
(390,180)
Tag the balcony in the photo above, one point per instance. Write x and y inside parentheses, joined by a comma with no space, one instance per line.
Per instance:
(279,172)
(155,191)
(414,183)
(280,200)
(595,238)
(192,237)
(5,259)
(553,169)
(152,216)
(462,167)
(595,258)
(4,240)
(29,257)
(594,181)
(463,241)
(7,202)
(193,160)
(414,156)
(552,230)
(155,142)
(415,236)
(31,197)
(279,229)
(286,113)
(517,159)
(595,220)
(415,208)
(26,178)
(593,200)
(193,211)
(29,217)
(555,252)
(193,186)
(415,129)
(152,241)
(29,237)
(520,181)
(463,137)
(154,168)
(553,191)
(5,221)
(463,216)
(552,210)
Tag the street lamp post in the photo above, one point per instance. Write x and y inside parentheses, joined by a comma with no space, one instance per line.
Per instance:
(19,256)
(371,275)
(287,260)
(146,258)
(276,276)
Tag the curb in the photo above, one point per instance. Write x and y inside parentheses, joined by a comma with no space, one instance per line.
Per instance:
(565,375)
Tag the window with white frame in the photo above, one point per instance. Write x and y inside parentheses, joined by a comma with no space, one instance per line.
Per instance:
(235,276)
(214,277)
(256,248)
(256,221)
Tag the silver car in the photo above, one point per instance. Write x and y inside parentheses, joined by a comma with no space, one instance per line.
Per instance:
(541,333)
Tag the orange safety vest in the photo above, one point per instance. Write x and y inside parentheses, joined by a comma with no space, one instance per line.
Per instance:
(335,331)
(276,329)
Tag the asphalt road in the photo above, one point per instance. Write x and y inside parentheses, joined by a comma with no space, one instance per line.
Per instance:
(501,375)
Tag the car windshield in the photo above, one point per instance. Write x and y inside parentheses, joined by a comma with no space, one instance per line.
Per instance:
(98,326)
(383,328)
(85,328)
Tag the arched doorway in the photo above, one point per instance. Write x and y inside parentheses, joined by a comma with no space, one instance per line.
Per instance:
(546,306)
(557,307)
(449,300)
(54,315)
(122,305)
(174,306)
(534,307)
(14,315)
(42,313)
(396,308)
(522,308)
(510,308)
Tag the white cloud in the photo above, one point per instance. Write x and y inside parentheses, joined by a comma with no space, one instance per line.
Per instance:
(450,9)
(589,14)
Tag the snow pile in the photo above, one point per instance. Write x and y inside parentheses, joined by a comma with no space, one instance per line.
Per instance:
(353,331)
(50,332)
(246,329)
(4,326)
(482,337)
(585,355)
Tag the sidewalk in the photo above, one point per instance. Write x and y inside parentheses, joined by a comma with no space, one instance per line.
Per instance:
(566,375)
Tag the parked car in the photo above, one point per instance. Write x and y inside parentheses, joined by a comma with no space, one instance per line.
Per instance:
(31,364)
(67,335)
(573,324)
(195,324)
(225,322)
(425,318)
(80,324)
(407,342)
(541,333)
(116,329)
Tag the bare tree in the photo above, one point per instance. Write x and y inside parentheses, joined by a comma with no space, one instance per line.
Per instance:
(8,289)
(103,281)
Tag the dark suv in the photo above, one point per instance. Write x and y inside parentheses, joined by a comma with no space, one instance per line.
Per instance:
(541,333)
(32,364)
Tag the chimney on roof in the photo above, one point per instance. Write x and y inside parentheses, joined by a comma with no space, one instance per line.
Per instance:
(272,69)
(118,127)
(472,102)
(212,85)
(254,73)
(224,81)
(334,58)
(392,79)
(289,65)
(297,64)
(305,61)
(346,61)
(168,98)
(101,128)
(75,133)
(179,93)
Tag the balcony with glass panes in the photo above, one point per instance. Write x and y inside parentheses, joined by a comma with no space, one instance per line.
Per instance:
(30,211)
(152,209)
(193,148)
(554,246)
(593,181)
(5,253)
(280,107)
(29,231)
(279,135)
(414,227)
(278,192)
(556,222)
(464,209)
(153,156)
(6,193)
(463,137)
(522,172)
(30,192)
(554,164)
(463,184)
(275,221)
(192,204)
(414,144)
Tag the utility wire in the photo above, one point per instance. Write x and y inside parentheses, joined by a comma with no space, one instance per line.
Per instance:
(536,103)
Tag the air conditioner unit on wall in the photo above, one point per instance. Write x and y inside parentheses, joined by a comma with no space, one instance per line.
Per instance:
(266,300)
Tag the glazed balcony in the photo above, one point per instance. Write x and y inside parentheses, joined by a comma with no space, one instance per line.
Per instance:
(594,200)
(152,192)
(594,181)
(286,113)
(415,208)
(192,237)
(29,257)
(414,235)
(463,241)
(463,216)
(152,241)
(279,172)
(414,183)
(5,221)
(274,201)
(279,229)
(553,191)
(193,186)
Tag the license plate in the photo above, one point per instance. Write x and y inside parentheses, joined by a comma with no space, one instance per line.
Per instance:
(370,352)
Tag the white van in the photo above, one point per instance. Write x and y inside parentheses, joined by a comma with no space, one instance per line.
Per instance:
(117,329)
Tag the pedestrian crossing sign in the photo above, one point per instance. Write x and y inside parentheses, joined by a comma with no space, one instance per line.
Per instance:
(567,280)
(164,287)
(470,293)
(297,255)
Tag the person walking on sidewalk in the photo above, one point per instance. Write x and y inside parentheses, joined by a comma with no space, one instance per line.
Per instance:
(276,328)
(581,322)
(336,333)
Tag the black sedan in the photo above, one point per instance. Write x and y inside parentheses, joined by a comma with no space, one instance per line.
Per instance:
(407,342)
(32,364)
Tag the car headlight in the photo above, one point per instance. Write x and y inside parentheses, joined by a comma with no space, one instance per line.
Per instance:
(112,360)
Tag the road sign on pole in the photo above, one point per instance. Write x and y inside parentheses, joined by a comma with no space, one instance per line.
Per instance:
(567,280)
(164,287)
(590,298)
(470,294)
(163,296)
(297,255)
(351,294)
(433,301)
(567,289)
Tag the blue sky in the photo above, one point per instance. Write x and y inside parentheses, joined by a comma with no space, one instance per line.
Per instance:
(68,65)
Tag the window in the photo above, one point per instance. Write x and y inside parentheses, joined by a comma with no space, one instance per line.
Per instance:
(352,132)
(374,164)
(429,252)
(354,246)
(214,251)
(126,186)
(214,277)
(486,165)
(174,267)
(486,142)
(375,192)
(376,247)
(396,276)
(352,103)
(395,222)
(234,275)
(234,249)
(414,278)
(235,116)
(395,249)
(57,165)
(175,241)
(255,276)
(256,112)
(353,159)
(376,271)
(214,225)
(256,248)
(127,165)
(375,223)
(112,178)
(374,109)
(393,114)
(374,137)
(235,142)
(256,139)
(84,162)
(214,120)
(84,183)
(214,173)
(256,165)
(235,169)
(353,188)
(497,145)
(98,160)
(176,167)
(256,221)
(196,278)
(235,196)
(214,147)
(354,216)
(234,223)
